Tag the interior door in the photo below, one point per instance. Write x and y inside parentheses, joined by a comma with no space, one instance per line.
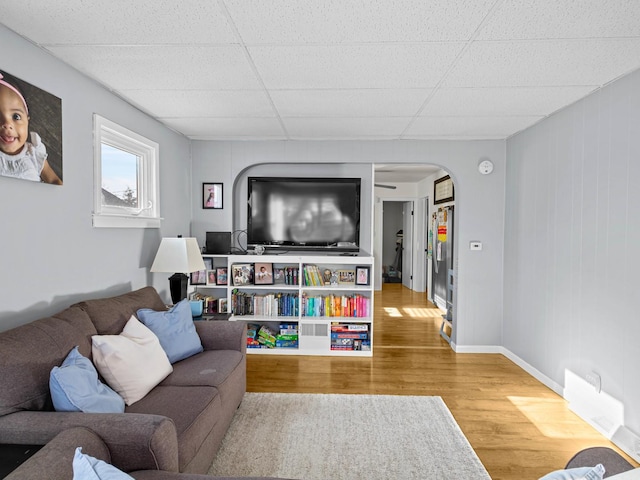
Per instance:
(407,244)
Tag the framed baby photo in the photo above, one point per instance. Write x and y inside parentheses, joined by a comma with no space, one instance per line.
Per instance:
(362,275)
(37,121)
(211,277)
(212,195)
(263,273)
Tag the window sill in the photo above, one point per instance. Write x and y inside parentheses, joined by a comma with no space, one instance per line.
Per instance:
(122,221)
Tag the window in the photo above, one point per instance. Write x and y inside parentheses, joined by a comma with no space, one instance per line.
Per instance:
(125,178)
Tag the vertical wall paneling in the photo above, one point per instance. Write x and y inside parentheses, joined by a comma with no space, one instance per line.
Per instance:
(572,230)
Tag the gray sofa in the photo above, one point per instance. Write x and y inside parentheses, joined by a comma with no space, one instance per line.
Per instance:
(177,427)
(613,462)
(54,461)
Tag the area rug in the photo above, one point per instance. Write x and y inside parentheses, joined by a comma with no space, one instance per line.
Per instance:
(323,437)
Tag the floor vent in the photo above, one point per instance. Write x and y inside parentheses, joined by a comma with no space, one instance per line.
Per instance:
(314,330)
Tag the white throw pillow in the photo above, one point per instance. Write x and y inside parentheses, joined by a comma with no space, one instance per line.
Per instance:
(133,362)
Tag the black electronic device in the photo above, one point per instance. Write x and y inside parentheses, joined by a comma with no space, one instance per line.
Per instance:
(218,242)
(304,213)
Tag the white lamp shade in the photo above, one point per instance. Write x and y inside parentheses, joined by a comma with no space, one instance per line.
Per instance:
(178,255)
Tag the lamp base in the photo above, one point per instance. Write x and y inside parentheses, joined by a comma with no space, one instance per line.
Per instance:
(178,287)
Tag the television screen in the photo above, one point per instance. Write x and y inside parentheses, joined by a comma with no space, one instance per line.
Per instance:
(304,212)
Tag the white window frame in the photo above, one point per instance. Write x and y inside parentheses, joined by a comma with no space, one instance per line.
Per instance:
(148,215)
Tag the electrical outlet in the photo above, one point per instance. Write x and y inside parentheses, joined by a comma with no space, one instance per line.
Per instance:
(594,380)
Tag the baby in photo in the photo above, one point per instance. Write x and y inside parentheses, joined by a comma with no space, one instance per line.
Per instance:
(19,157)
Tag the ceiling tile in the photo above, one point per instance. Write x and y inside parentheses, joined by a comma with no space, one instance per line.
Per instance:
(163,67)
(222,128)
(486,127)
(119,22)
(349,103)
(354,66)
(201,103)
(502,101)
(280,22)
(340,69)
(343,128)
(524,19)
(544,63)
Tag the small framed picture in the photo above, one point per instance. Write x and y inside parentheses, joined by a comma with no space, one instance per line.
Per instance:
(212,195)
(362,275)
(208,263)
(346,277)
(211,277)
(199,277)
(221,275)
(222,305)
(443,190)
(278,276)
(242,274)
(263,273)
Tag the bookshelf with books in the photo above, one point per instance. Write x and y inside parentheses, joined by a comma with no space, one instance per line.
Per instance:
(309,294)
(211,287)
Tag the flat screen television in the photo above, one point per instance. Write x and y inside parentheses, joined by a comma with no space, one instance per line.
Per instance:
(304,213)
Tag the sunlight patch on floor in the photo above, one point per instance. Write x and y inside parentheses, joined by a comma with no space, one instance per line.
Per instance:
(392,311)
(560,424)
(421,312)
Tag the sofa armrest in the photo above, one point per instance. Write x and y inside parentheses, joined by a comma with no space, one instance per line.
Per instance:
(55,459)
(612,461)
(136,441)
(222,335)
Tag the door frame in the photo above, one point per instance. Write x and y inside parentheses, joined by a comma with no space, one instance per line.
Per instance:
(419,245)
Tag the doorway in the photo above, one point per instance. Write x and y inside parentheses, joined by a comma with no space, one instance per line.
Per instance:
(397,242)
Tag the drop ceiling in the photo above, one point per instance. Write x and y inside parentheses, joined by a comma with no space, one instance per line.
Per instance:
(341,69)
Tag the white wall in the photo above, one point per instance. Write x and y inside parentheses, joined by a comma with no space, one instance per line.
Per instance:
(572,236)
(479,206)
(51,256)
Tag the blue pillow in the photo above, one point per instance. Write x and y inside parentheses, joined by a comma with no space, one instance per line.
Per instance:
(88,468)
(175,330)
(75,387)
(580,473)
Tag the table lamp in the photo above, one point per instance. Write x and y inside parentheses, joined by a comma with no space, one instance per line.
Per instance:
(181,256)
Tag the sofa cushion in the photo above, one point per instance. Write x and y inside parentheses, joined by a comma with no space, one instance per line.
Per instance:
(175,330)
(75,387)
(133,362)
(211,368)
(110,315)
(86,467)
(194,411)
(29,352)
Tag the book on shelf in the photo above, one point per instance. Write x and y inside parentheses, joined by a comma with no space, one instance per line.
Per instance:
(277,304)
(348,305)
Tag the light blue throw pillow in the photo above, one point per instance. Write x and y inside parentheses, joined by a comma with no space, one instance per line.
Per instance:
(75,387)
(580,473)
(175,330)
(86,467)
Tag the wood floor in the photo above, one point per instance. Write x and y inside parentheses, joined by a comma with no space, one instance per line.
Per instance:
(518,427)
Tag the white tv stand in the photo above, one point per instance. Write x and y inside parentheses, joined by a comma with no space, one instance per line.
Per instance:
(331,318)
